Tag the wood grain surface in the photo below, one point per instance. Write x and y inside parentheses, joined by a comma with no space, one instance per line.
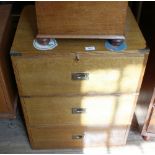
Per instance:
(48,92)
(31,71)
(5,10)
(8,95)
(99,111)
(62,137)
(26,32)
(81,19)
(52,75)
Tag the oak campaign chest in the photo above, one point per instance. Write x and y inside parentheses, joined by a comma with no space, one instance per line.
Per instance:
(74,98)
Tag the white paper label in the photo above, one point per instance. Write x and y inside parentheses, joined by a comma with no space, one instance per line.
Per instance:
(90,48)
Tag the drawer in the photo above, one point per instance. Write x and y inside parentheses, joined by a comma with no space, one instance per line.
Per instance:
(47,75)
(80,110)
(76,137)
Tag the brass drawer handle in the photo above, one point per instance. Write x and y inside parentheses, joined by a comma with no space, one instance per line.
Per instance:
(78,110)
(80,76)
(76,137)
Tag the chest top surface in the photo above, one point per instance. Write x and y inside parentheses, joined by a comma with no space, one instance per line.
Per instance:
(26,32)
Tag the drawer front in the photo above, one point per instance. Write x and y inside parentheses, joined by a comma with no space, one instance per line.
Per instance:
(47,75)
(84,111)
(75,137)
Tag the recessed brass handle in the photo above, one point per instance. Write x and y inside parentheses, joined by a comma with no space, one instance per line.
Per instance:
(76,137)
(80,76)
(78,110)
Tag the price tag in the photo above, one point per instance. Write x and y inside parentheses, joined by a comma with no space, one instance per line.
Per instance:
(90,48)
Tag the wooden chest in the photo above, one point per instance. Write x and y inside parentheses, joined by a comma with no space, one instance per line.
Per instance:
(73,98)
(8,97)
(81,19)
